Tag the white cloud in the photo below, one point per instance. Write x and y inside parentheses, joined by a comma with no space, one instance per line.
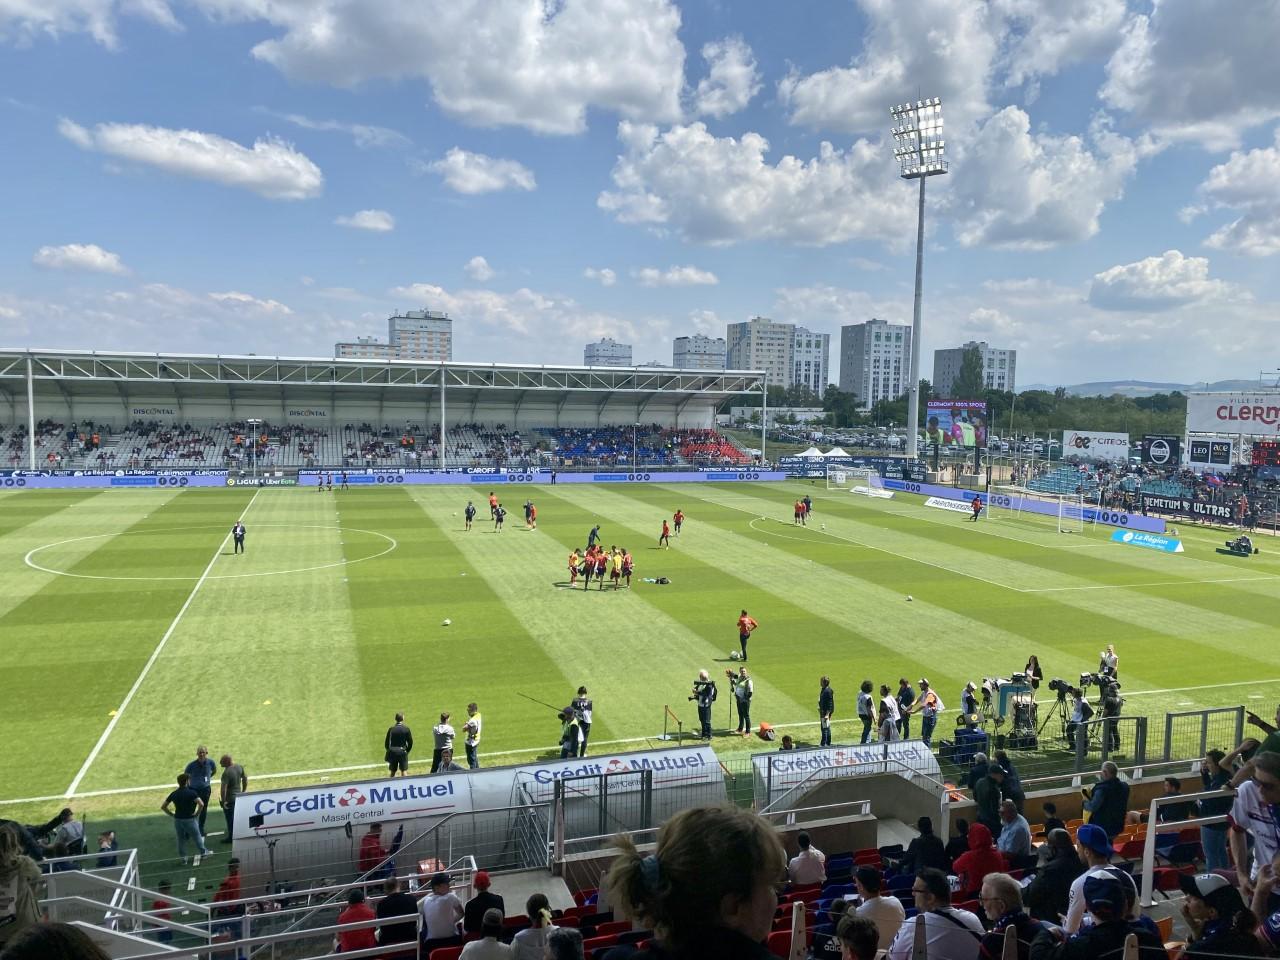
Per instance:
(605,276)
(941,48)
(1158,283)
(556,322)
(248,303)
(720,190)
(79,256)
(365,135)
(871,266)
(1024,190)
(271,168)
(531,63)
(1043,38)
(22,21)
(707,323)
(378,221)
(674,277)
(732,78)
(468,172)
(1205,71)
(1247,183)
(478,269)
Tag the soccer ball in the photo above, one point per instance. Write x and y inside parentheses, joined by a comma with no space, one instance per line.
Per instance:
(824,526)
(734,655)
(908,598)
(446,623)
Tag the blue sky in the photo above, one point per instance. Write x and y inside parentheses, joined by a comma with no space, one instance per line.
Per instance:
(270,176)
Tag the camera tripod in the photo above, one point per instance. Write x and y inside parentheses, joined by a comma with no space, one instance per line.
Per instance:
(1059,710)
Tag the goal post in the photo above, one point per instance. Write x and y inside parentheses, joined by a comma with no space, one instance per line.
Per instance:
(1004,503)
(1071,517)
(861,480)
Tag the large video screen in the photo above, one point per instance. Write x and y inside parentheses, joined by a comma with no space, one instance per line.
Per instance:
(956,423)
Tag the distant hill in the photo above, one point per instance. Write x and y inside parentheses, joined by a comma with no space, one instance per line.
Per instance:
(1144,388)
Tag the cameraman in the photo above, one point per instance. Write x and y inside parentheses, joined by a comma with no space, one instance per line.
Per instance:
(1111,704)
(743,690)
(1081,713)
(704,692)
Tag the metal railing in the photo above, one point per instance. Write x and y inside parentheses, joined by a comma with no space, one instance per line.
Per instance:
(1179,729)
(1154,828)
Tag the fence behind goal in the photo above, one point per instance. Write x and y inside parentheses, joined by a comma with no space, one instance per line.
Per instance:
(863,480)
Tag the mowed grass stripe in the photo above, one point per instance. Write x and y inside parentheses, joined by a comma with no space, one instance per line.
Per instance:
(21,509)
(636,649)
(409,661)
(845,620)
(86,639)
(261,666)
(1005,626)
(1136,606)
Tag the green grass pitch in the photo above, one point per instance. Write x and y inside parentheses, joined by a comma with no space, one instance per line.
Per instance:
(295,656)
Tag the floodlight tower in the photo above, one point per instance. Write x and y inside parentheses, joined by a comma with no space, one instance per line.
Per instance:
(920,150)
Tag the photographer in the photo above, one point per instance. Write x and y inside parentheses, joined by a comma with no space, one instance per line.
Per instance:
(1111,704)
(969,704)
(743,690)
(704,692)
(1109,662)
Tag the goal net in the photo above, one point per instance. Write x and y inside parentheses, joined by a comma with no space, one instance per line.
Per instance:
(1071,517)
(861,480)
(1004,503)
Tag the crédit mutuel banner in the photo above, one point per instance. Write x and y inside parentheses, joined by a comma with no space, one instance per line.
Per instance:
(1095,445)
(1253,414)
(786,768)
(436,795)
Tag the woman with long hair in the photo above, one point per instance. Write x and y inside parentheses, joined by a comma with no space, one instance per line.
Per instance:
(19,873)
(709,889)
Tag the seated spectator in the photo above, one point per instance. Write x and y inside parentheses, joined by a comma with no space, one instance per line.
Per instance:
(481,903)
(228,892)
(397,903)
(1170,812)
(1219,921)
(949,933)
(489,947)
(958,845)
(982,858)
(1015,836)
(20,881)
(1266,894)
(441,911)
(52,941)
(859,938)
(1106,901)
(69,832)
(357,912)
(531,942)
(161,908)
(886,912)
(564,943)
(1051,819)
(1094,848)
(708,889)
(809,865)
(1049,894)
(926,850)
(107,847)
(826,946)
(1001,900)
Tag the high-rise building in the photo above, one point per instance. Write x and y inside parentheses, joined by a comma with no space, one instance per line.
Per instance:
(810,359)
(421,335)
(875,361)
(412,335)
(998,368)
(698,353)
(607,353)
(762,344)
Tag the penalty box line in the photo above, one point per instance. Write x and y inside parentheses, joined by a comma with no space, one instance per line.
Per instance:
(151,661)
(355,768)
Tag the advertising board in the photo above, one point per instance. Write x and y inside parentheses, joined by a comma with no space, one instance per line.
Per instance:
(1210,453)
(1095,445)
(1161,450)
(1187,507)
(956,423)
(1253,414)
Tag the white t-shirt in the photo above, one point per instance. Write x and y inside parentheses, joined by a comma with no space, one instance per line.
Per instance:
(530,943)
(1075,900)
(440,915)
(1250,812)
(472,730)
(956,936)
(808,866)
(444,735)
(887,914)
(487,949)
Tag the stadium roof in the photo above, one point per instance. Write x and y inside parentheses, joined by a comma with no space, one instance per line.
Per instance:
(152,377)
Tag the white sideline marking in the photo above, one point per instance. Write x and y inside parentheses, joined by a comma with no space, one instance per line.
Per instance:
(155,655)
(1154,583)
(118,791)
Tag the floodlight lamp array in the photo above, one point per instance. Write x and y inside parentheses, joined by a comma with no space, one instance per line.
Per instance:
(918,144)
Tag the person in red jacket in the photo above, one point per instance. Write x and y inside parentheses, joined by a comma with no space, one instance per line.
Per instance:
(357,912)
(983,858)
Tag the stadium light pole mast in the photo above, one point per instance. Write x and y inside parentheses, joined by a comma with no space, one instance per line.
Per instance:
(920,151)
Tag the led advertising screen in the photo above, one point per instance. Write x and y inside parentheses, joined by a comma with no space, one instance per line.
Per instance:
(956,423)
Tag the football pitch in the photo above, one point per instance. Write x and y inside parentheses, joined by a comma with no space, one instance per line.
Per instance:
(130,632)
